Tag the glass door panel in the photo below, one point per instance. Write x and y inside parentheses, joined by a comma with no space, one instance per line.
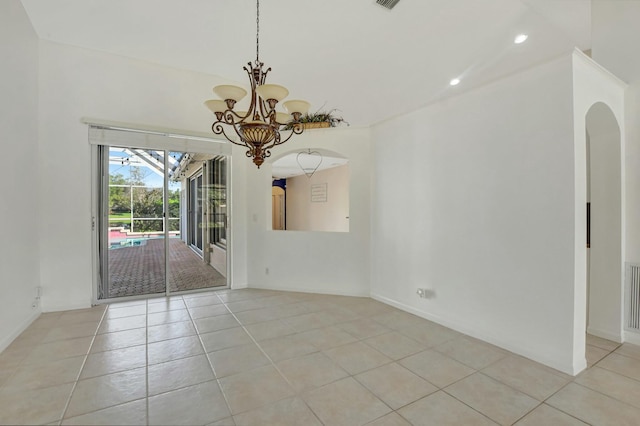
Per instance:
(195,213)
(194,261)
(135,232)
(217,175)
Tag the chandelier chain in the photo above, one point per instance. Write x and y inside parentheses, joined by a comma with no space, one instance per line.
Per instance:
(257,31)
(259,128)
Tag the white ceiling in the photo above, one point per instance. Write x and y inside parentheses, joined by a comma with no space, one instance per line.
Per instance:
(368,62)
(304,162)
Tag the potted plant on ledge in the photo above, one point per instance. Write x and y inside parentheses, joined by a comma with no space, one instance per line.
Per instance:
(319,119)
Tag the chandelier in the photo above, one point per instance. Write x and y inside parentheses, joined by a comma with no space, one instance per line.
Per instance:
(259,128)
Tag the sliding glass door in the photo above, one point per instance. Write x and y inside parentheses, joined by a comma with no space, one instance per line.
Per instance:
(154,223)
(195,212)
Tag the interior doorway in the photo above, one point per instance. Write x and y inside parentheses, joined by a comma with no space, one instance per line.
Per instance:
(605,252)
(278,208)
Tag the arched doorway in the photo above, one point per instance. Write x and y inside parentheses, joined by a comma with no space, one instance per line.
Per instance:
(316,182)
(278,208)
(605,253)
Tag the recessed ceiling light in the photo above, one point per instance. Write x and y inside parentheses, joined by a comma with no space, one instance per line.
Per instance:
(520,38)
(454,82)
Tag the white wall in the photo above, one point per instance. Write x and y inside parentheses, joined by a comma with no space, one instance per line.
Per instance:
(330,215)
(600,96)
(615,35)
(606,266)
(474,199)
(76,83)
(324,262)
(19,193)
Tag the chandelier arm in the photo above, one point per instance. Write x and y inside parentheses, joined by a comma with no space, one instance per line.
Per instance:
(266,149)
(297,129)
(228,117)
(249,72)
(270,145)
(264,75)
(218,129)
(254,84)
(264,110)
(254,107)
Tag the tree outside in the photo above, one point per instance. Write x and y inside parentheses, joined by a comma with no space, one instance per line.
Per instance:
(138,207)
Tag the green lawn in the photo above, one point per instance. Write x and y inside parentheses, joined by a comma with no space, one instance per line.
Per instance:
(120,216)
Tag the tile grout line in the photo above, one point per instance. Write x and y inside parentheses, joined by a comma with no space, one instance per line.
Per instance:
(529,412)
(397,361)
(443,389)
(472,408)
(22,359)
(107,374)
(555,393)
(517,390)
(359,339)
(296,393)
(613,371)
(84,362)
(603,394)
(569,382)
(213,370)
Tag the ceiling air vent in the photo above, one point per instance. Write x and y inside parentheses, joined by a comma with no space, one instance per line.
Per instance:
(389,4)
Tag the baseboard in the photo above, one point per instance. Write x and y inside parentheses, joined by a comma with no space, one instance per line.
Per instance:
(470,330)
(632,337)
(235,286)
(6,341)
(309,290)
(618,338)
(62,306)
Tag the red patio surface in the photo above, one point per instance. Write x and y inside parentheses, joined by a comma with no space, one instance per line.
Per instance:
(139,270)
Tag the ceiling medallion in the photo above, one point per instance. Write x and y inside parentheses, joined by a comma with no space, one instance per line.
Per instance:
(258,128)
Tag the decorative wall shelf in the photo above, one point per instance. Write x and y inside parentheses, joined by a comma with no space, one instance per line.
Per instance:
(316,125)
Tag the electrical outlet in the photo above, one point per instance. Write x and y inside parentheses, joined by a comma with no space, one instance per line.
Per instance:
(425,293)
(36,300)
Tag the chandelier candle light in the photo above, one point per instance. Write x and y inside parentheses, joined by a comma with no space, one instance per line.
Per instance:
(257,129)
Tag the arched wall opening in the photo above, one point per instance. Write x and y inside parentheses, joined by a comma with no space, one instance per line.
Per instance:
(605,259)
(303,260)
(599,178)
(315,191)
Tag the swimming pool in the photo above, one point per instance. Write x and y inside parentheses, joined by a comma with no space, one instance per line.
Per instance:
(129,242)
(134,242)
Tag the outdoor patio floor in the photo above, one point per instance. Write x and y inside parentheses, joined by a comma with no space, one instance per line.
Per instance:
(140,270)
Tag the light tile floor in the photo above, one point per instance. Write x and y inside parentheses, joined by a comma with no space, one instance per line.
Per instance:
(256,357)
